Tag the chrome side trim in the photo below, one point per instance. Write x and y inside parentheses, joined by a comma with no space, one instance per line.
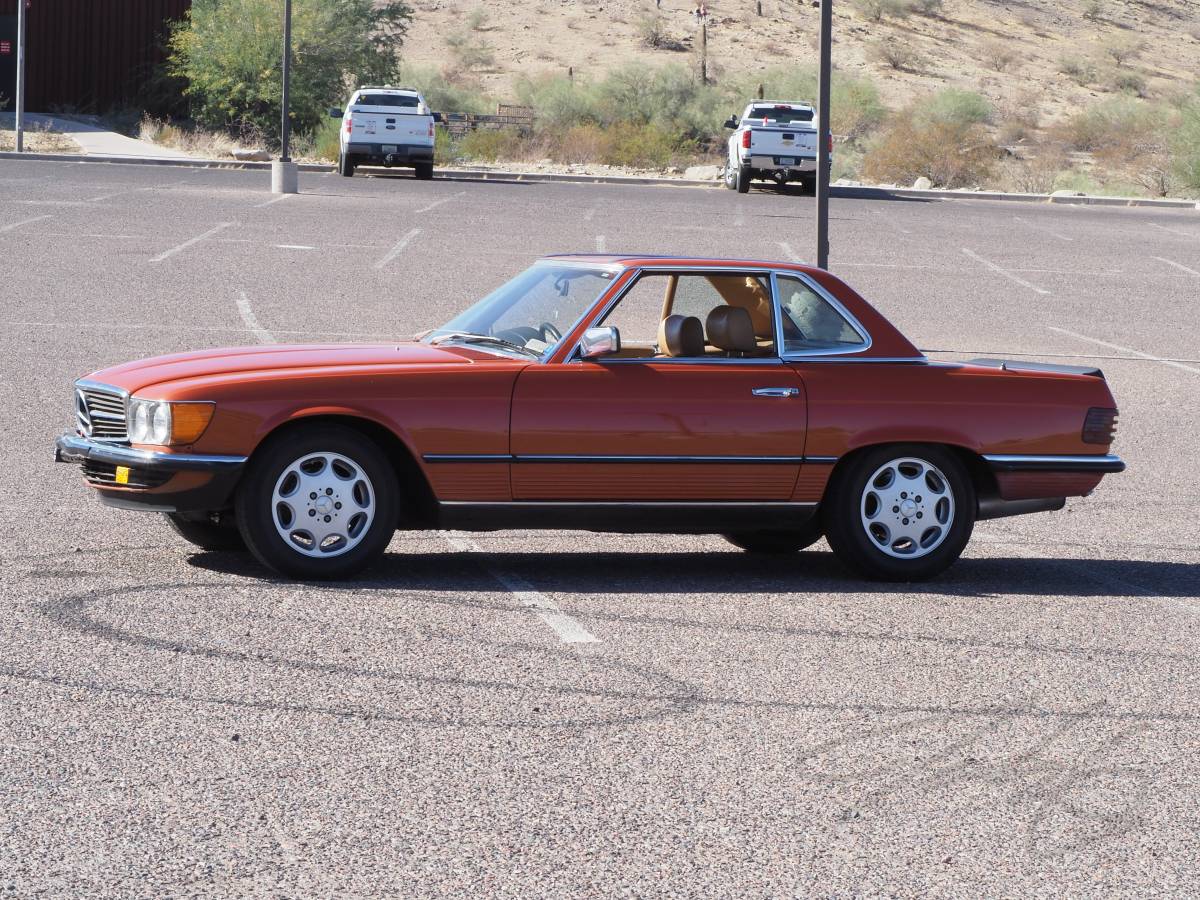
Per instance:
(641,504)
(801,358)
(434,458)
(1020,462)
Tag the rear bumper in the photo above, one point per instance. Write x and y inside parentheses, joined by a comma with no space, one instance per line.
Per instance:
(1084,465)
(154,481)
(800,163)
(400,154)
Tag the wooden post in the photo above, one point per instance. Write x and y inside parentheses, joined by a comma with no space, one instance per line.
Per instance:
(759,6)
(704,53)
(760,90)
(570,73)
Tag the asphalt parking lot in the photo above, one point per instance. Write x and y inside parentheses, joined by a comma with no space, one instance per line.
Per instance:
(176,723)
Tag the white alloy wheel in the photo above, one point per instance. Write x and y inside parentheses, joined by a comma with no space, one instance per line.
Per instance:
(323,504)
(907,508)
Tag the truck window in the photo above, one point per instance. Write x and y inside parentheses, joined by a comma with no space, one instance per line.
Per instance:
(784,116)
(399,101)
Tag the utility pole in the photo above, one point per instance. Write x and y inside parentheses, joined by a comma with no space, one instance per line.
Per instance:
(284,174)
(20,125)
(824,135)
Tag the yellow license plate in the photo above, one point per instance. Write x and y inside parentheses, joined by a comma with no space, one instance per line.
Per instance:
(122,475)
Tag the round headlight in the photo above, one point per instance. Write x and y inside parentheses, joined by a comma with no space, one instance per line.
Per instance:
(160,424)
(139,422)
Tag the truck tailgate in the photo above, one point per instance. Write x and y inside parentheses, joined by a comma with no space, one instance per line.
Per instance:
(787,141)
(382,125)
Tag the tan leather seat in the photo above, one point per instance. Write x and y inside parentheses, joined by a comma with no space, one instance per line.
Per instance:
(681,336)
(730,328)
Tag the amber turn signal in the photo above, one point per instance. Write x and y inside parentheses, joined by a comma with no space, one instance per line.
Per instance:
(188,421)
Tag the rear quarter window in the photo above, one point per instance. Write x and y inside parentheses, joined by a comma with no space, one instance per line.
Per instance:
(810,322)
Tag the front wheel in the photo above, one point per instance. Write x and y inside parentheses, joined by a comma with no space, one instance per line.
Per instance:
(318,502)
(206,534)
(424,171)
(900,512)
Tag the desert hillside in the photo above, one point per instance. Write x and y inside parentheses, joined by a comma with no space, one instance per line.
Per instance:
(1057,55)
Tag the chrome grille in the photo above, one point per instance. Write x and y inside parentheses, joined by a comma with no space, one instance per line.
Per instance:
(100,413)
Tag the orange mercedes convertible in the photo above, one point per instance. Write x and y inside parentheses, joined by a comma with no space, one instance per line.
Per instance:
(762,401)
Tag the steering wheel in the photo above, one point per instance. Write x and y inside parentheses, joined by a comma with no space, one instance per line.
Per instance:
(550,334)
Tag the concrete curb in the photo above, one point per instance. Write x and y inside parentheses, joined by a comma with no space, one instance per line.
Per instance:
(846,192)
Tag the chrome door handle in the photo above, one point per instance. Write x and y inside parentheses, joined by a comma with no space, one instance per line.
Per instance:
(776,392)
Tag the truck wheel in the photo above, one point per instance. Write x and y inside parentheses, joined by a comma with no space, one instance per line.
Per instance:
(206,534)
(778,541)
(424,171)
(743,179)
(345,165)
(900,513)
(730,177)
(318,502)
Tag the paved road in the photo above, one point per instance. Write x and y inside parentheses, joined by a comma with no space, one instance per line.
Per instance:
(175,723)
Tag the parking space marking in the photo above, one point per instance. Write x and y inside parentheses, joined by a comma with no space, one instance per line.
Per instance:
(1042,229)
(191,242)
(566,627)
(1178,266)
(789,252)
(398,248)
(15,225)
(437,203)
(278,199)
(295,247)
(247,313)
(1004,272)
(1091,340)
(1173,230)
(600,244)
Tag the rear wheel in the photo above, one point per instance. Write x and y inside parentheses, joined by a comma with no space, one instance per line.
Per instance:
(318,502)
(777,541)
(743,179)
(206,534)
(345,165)
(900,512)
(424,171)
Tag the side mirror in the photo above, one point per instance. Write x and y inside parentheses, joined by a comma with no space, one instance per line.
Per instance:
(731,122)
(334,112)
(600,342)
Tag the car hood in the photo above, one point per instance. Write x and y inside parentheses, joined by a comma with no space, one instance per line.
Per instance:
(234,361)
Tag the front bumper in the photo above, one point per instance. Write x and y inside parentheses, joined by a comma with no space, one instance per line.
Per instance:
(153,480)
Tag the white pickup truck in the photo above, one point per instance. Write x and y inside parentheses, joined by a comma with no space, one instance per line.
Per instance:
(773,139)
(386,126)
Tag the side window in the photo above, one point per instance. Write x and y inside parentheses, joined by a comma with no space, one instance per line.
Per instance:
(810,322)
(639,311)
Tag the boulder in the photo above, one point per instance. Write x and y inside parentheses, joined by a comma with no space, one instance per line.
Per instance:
(922,184)
(244,154)
(702,173)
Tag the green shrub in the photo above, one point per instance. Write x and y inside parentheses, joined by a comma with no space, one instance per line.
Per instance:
(491,144)
(443,94)
(470,52)
(641,146)
(325,141)
(1103,124)
(1185,148)
(1124,81)
(1079,70)
(229,53)
(956,106)
(855,107)
(878,10)
(950,153)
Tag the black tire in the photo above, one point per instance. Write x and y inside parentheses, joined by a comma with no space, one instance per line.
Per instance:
(743,179)
(730,177)
(423,171)
(256,511)
(345,165)
(778,541)
(206,534)
(846,511)
(808,185)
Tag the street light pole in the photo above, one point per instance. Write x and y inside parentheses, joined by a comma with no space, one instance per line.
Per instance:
(20,124)
(284,173)
(824,135)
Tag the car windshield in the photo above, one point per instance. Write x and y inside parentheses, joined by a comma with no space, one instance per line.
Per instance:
(784,115)
(529,314)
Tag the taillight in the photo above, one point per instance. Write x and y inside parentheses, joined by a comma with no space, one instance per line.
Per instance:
(746,139)
(830,136)
(431,129)
(1100,426)
(349,120)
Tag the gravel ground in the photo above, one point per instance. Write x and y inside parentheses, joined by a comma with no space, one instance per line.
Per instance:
(176,723)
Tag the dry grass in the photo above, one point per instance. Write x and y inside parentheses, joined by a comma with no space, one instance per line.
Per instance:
(193,141)
(39,140)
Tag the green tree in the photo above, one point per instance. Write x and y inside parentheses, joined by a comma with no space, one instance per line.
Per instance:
(229,52)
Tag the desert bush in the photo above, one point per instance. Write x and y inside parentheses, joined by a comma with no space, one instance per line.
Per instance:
(581,144)
(1079,70)
(446,94)
(1122,48)
(948,153)
(894,54)
(1102,124)
(999,55)
(931,8)
(1095,9)
(643,146)
(229,55)
(491,144)
(559,102)
(652,32)
(1124,81)
(1185,147)
(470,52)
(477,19)
(322,143)
(956,106)
(1038,174)
(878,10)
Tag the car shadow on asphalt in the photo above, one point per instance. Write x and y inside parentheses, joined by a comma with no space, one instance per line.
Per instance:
(719,573)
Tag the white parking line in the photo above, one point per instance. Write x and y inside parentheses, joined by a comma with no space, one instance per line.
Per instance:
(1173,230)
(191,242)
(295,247)
(567,628)
(600,243)
(1004,272)
(273,200)
(1092,340)
(789,252)
(398,248)
(1178,266)
(1043,229)
(243,305)
(437,203)
(16,225)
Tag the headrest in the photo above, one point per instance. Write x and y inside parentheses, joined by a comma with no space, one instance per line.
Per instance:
(748,292)
(730,328)
(681,336)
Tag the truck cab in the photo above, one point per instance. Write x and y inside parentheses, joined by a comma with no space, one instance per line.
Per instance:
(772,139)
(386,126)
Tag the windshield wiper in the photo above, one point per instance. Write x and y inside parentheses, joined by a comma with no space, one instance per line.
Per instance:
(468,338)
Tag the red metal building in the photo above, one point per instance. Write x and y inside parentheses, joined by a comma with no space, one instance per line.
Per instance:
(87,55)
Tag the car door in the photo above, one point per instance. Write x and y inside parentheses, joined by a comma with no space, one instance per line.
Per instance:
(643,426)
